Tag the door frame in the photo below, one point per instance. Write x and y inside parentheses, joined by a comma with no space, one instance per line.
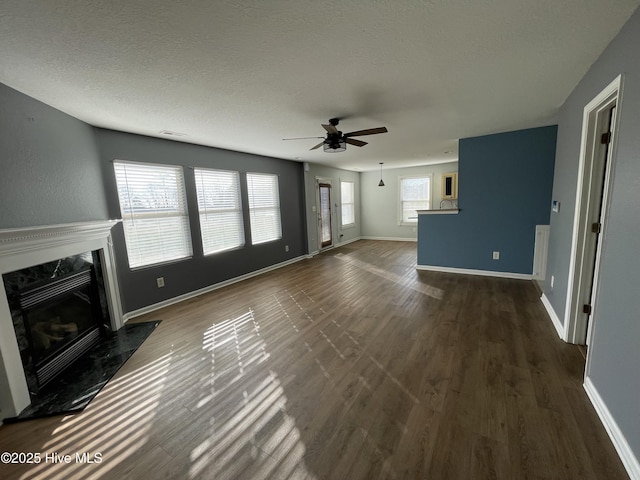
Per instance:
(583,271)
(327,181)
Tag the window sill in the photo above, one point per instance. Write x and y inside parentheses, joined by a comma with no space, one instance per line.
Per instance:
(444,211)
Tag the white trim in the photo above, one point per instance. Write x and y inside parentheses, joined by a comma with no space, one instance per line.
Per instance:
(468,271)
(112,290)
(629,460)
(541,252)
(400,212)
(15,241)
(171,301)
(353,190)
(575,320)
(347,242)
(554,317)
(390,239)
(332,210)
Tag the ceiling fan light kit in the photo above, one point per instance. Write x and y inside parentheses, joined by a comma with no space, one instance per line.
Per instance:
(336,141)
(334,147)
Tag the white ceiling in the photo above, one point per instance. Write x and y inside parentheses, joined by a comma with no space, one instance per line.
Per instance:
(242,75)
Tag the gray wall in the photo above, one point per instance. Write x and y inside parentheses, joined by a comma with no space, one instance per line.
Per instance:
(380,204)
(57,169)
(614,353)
(335,175)
(138,287)
(49,164)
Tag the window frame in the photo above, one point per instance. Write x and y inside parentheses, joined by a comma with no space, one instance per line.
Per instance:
(252,209)
(237,210)
(401,201)
(129,219)
(343,203)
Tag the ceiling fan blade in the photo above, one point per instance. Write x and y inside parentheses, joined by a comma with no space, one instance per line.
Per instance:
(369,131)
(300,138)
(353,141)
(330,128)
(317,146)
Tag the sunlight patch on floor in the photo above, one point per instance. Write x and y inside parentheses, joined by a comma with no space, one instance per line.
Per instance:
(428,290)
(249,433)
(116,423)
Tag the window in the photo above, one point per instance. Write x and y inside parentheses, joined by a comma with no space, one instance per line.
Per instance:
(347,197)
(154,212)
(220,209)
(415,194)
(264,207)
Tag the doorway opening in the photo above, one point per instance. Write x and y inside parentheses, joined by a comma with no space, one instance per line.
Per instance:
(597,156)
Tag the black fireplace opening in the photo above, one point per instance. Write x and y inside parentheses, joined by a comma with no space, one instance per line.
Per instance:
(59,312)
(61,322)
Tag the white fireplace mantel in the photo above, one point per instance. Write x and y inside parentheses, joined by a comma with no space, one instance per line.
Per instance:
(26,247)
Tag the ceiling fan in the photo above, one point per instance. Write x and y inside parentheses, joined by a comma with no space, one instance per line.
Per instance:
(336,141)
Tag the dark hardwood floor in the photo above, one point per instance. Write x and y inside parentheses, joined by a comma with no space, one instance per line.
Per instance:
(351,365)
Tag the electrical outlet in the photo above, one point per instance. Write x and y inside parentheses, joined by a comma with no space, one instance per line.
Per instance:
(286,248)
(552,280)
(160,282)
(496,255)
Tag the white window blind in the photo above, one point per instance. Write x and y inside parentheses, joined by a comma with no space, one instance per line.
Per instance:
(154,212)
(414,195)
(347,198)
(220,209)
(264,207)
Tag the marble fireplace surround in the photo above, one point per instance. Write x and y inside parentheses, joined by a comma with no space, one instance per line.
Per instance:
(27,247)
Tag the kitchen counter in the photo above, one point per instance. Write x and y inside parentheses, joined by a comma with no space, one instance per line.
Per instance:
(439,211)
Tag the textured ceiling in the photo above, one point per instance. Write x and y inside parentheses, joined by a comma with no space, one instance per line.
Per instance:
(242,75)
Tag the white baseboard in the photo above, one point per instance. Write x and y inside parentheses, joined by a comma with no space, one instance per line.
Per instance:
(347,242)
(391,239)
(468,271)
(629,460)
(554,317)
(165,303)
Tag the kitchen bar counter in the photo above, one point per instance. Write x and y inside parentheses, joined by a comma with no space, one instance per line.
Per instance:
(441,211)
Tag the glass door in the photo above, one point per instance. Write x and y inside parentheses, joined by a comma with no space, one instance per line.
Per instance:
(326,233)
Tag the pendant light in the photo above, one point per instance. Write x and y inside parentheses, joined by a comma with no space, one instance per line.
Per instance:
(381,184)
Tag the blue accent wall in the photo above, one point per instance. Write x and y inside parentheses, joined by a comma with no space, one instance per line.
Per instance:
(504,190)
